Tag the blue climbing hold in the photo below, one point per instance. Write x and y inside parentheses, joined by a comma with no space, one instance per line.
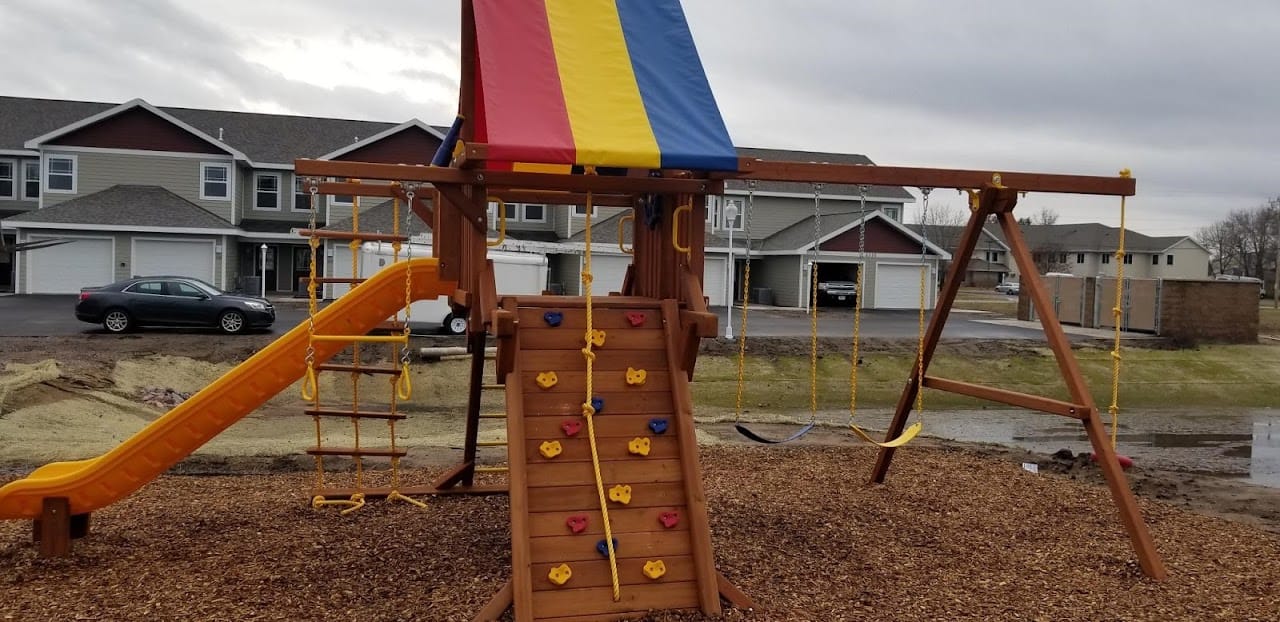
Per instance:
(659,426)
(597,403)
(603,547)
(553,318)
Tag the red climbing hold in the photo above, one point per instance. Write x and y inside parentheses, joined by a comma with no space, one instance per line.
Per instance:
(576,523)
(669,519)
(636,318)
(571,427)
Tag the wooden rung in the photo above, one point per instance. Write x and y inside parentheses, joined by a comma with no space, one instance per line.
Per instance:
(361,338)
(491,469)
(356,414)
(359,369)
(352,451)
(491,443)
(321,280)
(493,387)
(493,415)
(352,235)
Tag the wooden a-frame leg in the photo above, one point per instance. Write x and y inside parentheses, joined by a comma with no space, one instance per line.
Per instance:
(731,593)
(497,605)
(946,298)
(464,472)
(53,529)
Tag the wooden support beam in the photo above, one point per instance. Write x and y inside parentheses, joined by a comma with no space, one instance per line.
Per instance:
(1004,396)
(1127,506)
(695,495)
(946,298)
(552,197)
(463,200)
(344,188)
(471,434)
(454,476)
(507,179)
(731,593)
(521,553)
(497,605)
(823,172)
(53,529)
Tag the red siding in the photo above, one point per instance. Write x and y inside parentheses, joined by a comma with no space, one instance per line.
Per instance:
(881,238)
(137,128)
(408,146)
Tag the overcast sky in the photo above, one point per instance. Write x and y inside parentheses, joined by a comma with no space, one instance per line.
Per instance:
(1182,92)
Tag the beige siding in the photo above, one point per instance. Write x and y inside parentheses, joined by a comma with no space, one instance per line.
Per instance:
(96,171)
(245,200)
(574,224)
(1190,261)
(565,270)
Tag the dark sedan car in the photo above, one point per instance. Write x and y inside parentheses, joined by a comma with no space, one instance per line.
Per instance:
(170,301)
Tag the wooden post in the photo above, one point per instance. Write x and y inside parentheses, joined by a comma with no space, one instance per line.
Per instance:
(955,275)
(475,341)
(54,527)
(1131,518)
(699,531)
(521,556)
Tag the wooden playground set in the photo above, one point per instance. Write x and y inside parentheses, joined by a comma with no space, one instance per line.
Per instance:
(591,103)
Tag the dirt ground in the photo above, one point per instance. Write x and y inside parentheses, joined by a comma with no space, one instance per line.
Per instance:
(802,535)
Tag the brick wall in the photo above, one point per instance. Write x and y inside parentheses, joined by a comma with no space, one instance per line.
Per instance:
(1218,311)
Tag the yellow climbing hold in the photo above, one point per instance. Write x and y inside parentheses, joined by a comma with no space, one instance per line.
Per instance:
(547,379)
(655,569)
(550,449)
(639,446)
(595,338)
(636,377)
(620,493)
(562,573)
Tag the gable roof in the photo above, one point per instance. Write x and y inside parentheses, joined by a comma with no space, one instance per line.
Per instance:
(150,207)
(799,236)
(22,118)
(1089,237)
(130,105)
(799,187)
(381,135)
(381,219)
(950,234)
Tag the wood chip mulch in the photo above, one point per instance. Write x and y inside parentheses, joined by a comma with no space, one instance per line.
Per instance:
(953,536)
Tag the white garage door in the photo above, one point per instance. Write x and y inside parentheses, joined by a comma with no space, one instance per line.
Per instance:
(193,258)
(898,286)
(65,268)
(608,270)
(713,281)
(339,266)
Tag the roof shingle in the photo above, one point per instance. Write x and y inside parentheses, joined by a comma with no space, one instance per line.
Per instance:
(127,206)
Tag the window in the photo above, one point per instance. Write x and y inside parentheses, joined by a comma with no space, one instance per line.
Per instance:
(301,196)
(512,211)
(186,290)
(534,213)
(1168,260)
(893,213)
(1155,260)
(1128,259)
(713,210)
(215,181)
(266,191)
(993,256)
(580,211)
(31,179)
(148,287)
(1079,257)
(341,199)
(493,215)
(8,179)
(1106,258)
(1062,258)
(60,174)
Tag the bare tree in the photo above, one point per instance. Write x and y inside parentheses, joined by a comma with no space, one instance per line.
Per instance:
(943,224)
(1247,243)
(1045,216)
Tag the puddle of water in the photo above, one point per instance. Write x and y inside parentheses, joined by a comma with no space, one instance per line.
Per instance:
(1244,444)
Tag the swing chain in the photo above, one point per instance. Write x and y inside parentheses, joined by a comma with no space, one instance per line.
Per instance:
(746,301)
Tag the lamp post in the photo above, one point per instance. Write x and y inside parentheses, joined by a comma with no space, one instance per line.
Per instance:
(264,270)
(730,216)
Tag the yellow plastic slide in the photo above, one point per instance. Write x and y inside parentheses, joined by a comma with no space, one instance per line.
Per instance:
(98,482)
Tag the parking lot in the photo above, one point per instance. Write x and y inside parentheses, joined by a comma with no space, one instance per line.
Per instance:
(34,316)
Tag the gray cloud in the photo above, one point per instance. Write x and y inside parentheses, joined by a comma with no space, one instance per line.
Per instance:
(1180,91)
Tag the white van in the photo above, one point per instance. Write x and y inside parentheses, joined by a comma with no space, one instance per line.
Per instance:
(515,273)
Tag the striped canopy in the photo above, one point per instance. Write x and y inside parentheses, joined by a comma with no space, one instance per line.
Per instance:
(611,83)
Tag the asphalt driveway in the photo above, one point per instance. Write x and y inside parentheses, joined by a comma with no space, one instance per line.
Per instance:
(49,315)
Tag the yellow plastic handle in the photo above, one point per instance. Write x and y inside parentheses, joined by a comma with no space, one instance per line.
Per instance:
(404,386)
(309,385)
(502,222)
(675,227)
(621,237)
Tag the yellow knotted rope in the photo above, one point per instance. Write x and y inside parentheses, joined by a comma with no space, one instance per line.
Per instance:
(310,388)
(1117,312)
(746,299)
(589,411)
